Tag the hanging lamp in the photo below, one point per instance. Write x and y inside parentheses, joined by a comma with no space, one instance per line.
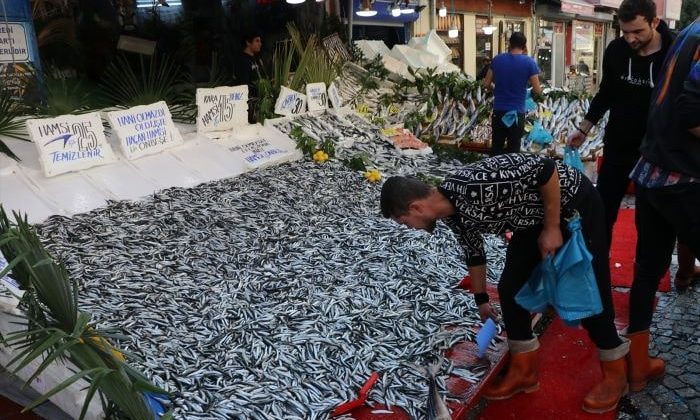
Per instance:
(295,1)
(488,29)
(395,9)
(442,11)
(366,9)
(453,32)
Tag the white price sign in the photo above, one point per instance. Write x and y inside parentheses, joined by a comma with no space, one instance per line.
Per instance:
(145,129)
(222,108)
(290,102)
(334,96)
(317,97)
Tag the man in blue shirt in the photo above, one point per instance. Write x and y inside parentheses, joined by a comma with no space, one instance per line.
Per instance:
(510,73)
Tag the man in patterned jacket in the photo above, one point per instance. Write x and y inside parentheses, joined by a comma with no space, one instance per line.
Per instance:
(531,196)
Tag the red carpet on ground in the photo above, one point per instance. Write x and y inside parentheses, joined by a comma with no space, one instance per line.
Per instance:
(622,252)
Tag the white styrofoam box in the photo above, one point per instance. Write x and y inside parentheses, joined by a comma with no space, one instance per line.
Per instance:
(222,108)
(121,180)
(72,193)
(145,129)
(397,67)
(413,57)
(70,143)
(17,195)
(372,48)
(269,147)
(316,96)
(165,171)
(447,67)
(209,159)
(290,102)
(433,44)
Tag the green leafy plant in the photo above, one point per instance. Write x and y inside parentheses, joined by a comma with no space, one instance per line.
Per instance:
(11,121)
(56,330)
(159,80)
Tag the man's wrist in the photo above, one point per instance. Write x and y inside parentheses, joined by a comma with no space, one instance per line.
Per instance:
(481,298)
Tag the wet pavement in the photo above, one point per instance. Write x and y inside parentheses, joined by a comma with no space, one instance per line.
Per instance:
(675,339)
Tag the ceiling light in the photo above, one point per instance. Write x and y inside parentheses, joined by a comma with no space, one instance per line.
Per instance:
(488,30)
(395,10)
(295,1)
(442,11)
(453,32)
(365,10)
(407,11)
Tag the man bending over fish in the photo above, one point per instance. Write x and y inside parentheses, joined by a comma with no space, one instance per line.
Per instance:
(531,196)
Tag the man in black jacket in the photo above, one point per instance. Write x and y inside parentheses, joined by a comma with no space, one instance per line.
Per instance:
(247,68)
(667,179)
(631,67)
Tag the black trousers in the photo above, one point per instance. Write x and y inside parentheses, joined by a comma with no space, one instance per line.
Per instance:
(613,180)
(500,133)
(661,215)
(523,255)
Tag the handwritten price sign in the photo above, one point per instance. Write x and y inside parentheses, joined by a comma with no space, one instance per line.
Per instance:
(316,96)
(290,102)
(334,96)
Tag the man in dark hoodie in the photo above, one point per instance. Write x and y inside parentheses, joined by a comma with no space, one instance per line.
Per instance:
(631,66)
(667,179)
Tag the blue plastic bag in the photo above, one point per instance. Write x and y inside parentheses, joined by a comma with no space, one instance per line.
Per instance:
(573,158)
(510,118)
(485,335)
(539,135)
(155,402)
(567,282)
(577,295)
(538,291)
(530,104)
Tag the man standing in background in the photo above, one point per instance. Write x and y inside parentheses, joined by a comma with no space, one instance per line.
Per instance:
(510,73)
(631,67)
(246,69)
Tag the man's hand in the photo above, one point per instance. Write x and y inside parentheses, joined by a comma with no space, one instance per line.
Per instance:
(550,241)
(575,139)
(486,312)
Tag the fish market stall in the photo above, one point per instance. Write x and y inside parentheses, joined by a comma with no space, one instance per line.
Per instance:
(261,290)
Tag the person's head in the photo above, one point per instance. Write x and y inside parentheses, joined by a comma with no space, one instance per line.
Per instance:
(517,41)
(572,69)
(252,42)
(405,200)
(638,22)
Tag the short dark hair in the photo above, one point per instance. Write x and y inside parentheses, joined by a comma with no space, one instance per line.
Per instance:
(517,40)
(249,36)
(630,9)
(398,192)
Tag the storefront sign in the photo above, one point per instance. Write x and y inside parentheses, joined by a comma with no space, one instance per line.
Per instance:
(290,102)
(14,46)
(316,96)
(334,96)
(19,53)
(222,108)
(259,152)
(577,8)
(70,143)
(145,130)
(606,3)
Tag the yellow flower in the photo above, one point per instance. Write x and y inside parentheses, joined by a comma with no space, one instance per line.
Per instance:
(373,175)
(320,156)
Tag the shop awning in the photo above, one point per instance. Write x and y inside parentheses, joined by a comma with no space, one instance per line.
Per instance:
(614,4)
(578,7)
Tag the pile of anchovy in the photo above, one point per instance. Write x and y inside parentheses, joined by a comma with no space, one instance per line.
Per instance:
(274,294)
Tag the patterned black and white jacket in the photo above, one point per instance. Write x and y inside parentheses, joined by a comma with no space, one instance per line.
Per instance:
(500,194)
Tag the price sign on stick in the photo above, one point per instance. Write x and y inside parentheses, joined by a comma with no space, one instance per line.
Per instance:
(316,96)
(334,96)
(290,102)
